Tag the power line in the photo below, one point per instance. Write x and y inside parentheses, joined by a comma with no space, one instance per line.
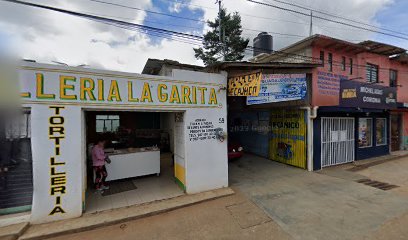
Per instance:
(187,38)
(337,16)
(197,20)
(241,13)
(190,4)
(154,34)
(143,20)
(148,11)
(327,19)
(274,19)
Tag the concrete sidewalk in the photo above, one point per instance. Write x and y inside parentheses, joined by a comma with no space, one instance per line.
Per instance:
(110,217)
(229,218)
(310,205)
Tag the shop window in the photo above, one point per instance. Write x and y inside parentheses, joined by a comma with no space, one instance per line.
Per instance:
(351,66)
(393,78)
(365,133)
(343,63)
(330,62)
(372,73)
(107,123)
(322,58)
(16,176)
(381,131)
(19,127)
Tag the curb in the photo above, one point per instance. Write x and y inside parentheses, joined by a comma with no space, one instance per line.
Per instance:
(14,231)
(370,164)
(111,217)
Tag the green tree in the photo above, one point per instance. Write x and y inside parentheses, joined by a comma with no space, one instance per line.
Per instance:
(231,48)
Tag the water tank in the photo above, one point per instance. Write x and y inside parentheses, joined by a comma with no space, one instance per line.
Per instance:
(263,43)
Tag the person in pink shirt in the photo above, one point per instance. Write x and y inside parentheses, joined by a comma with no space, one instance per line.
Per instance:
(98,162)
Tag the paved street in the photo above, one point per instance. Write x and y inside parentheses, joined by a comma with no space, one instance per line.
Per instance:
(292,204)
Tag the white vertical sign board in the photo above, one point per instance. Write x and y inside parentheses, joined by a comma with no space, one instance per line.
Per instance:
(56,149)
(206,158)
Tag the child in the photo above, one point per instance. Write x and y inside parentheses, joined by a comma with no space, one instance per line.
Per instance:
(98,162)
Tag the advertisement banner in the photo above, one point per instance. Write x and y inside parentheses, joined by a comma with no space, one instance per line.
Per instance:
(280,88)
(244,85)
(367,95)
(288,137)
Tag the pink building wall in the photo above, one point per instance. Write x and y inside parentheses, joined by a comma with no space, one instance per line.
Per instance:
(326,85)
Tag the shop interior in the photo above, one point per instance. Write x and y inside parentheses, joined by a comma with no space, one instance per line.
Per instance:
(140,146)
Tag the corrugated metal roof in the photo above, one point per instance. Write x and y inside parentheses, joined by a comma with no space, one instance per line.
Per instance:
(382,48)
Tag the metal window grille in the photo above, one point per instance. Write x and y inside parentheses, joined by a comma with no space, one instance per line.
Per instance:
(372,73)
(337,141)
(19,126)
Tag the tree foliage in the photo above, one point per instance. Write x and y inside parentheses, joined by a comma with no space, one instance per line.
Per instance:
(234,46)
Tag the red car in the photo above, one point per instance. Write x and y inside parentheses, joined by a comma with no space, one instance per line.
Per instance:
(235,150)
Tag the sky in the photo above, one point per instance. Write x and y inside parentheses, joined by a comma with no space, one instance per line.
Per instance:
(48,37)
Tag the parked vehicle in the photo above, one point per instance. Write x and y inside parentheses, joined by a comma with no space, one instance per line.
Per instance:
(235,150)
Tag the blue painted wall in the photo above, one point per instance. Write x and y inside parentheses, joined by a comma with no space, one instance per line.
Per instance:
(243,127)
(361,153)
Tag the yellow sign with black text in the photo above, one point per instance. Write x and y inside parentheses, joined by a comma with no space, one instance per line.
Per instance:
(245,85)
(287,143)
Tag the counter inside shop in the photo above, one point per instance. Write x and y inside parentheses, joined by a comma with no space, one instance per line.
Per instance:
(132,162)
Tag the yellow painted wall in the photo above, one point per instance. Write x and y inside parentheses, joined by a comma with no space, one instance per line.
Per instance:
(287,142)
(180,174)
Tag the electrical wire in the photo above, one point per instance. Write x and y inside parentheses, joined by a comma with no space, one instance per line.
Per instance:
(191,19)
(187,38)
(241,13)
(302,23)
(327,19)
(338,16)
(148,11)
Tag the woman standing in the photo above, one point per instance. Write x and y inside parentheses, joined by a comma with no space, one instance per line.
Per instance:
(98,162)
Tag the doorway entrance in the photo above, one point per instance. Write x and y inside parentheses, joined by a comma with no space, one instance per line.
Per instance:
(337,141)
(395,132)
(141,149)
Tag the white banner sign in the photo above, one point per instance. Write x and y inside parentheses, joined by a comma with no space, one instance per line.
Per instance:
(280,88)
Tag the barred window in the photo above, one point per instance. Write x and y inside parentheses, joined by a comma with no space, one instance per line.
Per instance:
(19,126)
(372,73)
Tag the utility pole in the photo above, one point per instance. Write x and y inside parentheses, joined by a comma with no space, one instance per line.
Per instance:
(219,19)
(311,24)
(221,39)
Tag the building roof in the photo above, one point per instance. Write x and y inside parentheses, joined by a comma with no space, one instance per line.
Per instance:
(253,66)
(333,43)
(154,66)
(315,40)
(382,48)
(402,58)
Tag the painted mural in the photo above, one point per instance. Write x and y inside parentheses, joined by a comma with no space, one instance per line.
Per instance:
(287,142)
